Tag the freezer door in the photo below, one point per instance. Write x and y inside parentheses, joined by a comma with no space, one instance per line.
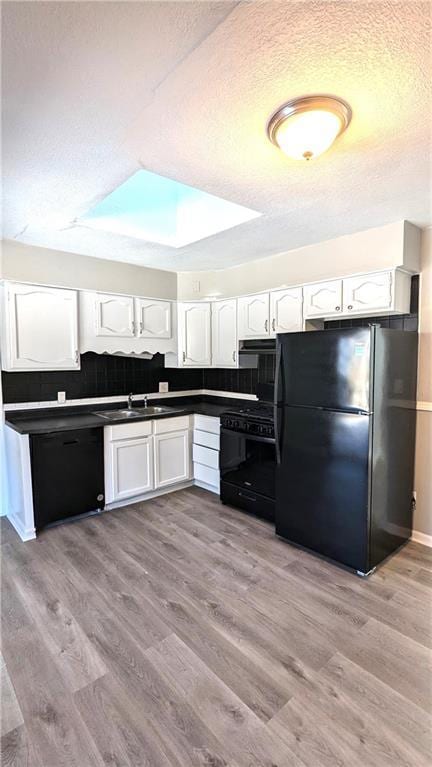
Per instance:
(322,484)
(325,368)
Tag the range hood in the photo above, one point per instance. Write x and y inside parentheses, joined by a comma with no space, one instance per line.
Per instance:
(258,346)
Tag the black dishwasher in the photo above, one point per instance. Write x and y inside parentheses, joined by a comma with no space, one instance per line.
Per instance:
(67,474)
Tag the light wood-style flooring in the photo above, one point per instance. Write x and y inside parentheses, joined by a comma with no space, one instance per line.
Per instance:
(180,632)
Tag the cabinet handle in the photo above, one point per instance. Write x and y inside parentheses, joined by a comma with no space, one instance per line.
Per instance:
(184,356)
(76,357)
(266,326)
(234,356)
(337,308)
(349,306)
(133,327)
(141,327)
(273,324)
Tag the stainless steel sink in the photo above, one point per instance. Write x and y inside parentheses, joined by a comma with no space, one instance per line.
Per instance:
(136,412)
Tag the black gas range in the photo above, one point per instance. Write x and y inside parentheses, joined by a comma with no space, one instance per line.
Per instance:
(247,457)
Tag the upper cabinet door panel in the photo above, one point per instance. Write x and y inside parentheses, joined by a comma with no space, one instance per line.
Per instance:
(114,316)
(42,328)
(195,322)
(368,292)
(224,334)
(253,316)
(323,299)
(286,310)
(154,318)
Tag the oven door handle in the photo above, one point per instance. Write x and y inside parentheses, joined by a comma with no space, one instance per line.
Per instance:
(278,411)
(252,437)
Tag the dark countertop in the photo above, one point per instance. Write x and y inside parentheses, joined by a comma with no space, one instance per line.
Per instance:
(83,417)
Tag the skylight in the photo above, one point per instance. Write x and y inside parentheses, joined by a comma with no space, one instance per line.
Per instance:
(150,207)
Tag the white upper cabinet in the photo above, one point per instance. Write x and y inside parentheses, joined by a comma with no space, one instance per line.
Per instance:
(224,334)
(286,310)
(195,334)
(253,316)
(323,299)
(40,328)
(367,292)
(154,318)
(114,316)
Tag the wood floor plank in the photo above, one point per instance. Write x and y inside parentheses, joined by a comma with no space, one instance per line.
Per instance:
(370,596)
(55,730)
(192,636)
(73,654)
(223,713)
(11,714)
(402,663)
(386,705)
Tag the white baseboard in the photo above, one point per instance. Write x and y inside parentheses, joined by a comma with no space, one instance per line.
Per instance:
(25,535)
(419,537)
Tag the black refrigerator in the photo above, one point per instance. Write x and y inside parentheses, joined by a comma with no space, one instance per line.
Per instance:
(345,436)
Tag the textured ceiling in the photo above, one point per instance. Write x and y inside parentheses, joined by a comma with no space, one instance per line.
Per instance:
(93,91)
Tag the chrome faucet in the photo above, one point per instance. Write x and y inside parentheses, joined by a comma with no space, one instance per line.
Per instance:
(130,401)
(145,401)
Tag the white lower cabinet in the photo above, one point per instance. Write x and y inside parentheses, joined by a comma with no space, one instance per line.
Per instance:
(144,456)
(132,463)
(172,458)
(205,452)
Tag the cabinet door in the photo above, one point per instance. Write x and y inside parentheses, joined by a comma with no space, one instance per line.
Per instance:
(195,334)
(253,316)
(224,334)
(286,310)
(131,465)
(42,328)
(154,318)
(114,316)
(172,458)
(368,292)
(323,299)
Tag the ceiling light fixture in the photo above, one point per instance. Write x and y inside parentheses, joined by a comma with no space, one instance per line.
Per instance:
(306,127)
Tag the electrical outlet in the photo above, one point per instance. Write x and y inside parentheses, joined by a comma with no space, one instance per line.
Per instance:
(61,397)
(196,287)
(163,387)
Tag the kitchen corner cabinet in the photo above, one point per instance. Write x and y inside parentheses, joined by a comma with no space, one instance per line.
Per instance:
(224,334)
(253,316)
(39,328)
(286,310)
(194,321)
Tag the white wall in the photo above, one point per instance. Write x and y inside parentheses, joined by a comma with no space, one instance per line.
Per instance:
(388,246)
(423,472)
(27,263)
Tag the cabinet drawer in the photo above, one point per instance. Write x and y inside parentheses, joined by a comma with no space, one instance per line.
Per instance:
(207,423)
(205,456)
(128,430)
(206,439)
(164,425)
(207,475)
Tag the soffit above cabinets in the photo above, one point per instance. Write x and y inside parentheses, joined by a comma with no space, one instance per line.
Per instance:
(95,91)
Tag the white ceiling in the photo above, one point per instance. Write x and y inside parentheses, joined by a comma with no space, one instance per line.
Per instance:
(94,90)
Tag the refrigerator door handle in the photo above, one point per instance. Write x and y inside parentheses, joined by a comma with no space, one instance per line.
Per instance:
(277,410)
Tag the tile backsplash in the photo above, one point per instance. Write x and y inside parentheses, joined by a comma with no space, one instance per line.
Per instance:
(103,375)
